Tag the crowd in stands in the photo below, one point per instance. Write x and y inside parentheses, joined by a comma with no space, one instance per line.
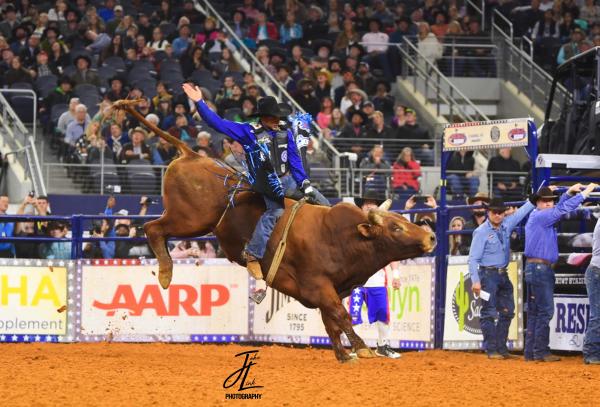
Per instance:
(122,249)
(332,56)
(560,29)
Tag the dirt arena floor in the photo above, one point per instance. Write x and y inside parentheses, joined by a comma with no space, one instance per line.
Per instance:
(111,374)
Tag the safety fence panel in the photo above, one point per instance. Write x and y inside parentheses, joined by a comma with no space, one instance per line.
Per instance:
(122,301)
(37,300)
(207,301)
(462,328)
(569,323)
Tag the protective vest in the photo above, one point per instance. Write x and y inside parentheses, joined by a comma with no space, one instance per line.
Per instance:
(267,160)
(276,146)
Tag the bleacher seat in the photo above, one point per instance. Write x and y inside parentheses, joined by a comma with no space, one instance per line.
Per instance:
(57,110)
(167,29)
(86,89)
(116,63)
(44,85)
(23,107)
(141,177)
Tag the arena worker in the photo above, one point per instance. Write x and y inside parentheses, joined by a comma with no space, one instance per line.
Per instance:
(374,292)
(274,165)
(488,260)
(541,250)
(591,343)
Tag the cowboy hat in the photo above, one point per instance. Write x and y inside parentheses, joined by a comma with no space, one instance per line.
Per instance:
(479,196)
(543,193)
(359,91)
(80,56)
(324,71)
(317,44)
(495,204)
(369,195)
(267,106)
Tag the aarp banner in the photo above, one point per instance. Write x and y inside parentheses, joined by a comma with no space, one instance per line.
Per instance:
(122,300)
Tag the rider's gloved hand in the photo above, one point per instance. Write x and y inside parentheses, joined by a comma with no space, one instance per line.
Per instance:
(308,190)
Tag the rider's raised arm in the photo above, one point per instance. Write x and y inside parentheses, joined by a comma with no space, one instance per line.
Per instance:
(295,161)
(240,132)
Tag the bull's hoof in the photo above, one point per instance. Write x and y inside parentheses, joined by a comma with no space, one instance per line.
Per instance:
(366,353)
(347,358)
(164,278)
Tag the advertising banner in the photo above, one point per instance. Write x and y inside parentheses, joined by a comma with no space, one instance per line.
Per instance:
(34,306)
(567,327)
(462,309)
(410,307)
(122,300)
(485,135)
(280,318)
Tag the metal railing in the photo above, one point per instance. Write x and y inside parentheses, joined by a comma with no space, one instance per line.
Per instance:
(516,65)
(349,180)
(446,93)
(263,75)
(392,147)
(19,139)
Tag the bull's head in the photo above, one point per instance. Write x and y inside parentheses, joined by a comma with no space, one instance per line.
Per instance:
(393,231)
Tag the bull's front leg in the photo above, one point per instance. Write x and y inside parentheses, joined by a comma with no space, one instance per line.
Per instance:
(332,305)
(334,333)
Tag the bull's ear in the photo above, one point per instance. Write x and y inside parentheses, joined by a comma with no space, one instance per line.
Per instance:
(367,230)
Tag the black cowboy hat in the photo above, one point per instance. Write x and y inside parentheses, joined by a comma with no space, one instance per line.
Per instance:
(65,79)
(280,52)
(495,204)
(267,106)
(84,56)
(375,19)
(352,112)
(286,110)
(369,195)
(384,83)
(479,196)
(322,43)
(543,193)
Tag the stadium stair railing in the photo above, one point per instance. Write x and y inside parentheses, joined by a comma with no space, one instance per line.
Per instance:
(262,75)
(18,141)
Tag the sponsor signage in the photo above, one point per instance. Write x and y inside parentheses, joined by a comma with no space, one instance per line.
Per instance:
(462,328)
(570,320)
(410,307)
(280,318)
(125,301)
(486,135)
(33,300)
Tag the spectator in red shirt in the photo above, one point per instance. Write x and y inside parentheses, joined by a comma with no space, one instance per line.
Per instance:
(406,173)
(263,29)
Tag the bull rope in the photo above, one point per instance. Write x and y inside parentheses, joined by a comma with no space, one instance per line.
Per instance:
(229,201)
(282,243)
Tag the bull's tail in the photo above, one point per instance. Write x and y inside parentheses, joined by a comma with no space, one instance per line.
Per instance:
(128,106)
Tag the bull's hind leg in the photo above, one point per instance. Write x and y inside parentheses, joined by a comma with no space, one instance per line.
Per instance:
(332,305)
(157,239)
(334,333)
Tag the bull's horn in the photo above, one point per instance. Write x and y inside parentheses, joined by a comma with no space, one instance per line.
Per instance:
(375,218)
(386,205)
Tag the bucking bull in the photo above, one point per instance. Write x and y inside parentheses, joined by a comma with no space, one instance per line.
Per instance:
(329,250)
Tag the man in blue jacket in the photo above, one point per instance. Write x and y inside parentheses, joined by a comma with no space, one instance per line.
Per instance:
(488,261)
(271,157)
(541,250)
